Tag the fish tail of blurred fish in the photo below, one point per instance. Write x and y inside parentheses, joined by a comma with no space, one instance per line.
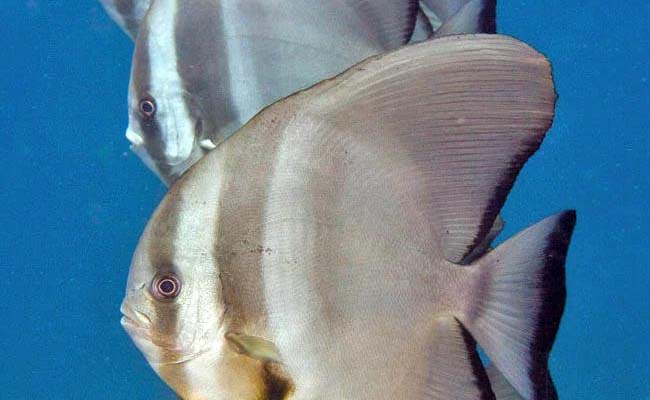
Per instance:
(515,299)
(452,17)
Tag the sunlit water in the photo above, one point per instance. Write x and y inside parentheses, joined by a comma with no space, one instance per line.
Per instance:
(74,200)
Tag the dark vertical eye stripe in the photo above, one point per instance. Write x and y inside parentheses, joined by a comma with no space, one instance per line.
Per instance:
(277,385)
(210,83)
(126,9)
(141,82)
(163,253)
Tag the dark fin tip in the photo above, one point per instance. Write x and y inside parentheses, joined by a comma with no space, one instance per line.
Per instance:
(277,385)
(414,8)
(482,380)
(488,17)
(502,190)
(553,290)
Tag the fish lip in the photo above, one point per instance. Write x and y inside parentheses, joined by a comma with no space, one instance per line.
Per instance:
(133,328)
(135,322)
(169,170)
(139,146)
(134,138)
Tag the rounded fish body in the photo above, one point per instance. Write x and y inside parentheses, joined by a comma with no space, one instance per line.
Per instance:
(316,253)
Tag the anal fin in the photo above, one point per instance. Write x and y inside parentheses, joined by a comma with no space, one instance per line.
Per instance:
(456,369)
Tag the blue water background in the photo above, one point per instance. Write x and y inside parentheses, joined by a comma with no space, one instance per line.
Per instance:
(74,200)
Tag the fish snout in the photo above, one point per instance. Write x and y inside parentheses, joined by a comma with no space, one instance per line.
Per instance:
(168,161)
(134,137)
(134,321)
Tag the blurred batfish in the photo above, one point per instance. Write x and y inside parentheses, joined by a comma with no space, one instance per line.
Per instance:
(315,254)
(458,16)
(202,68)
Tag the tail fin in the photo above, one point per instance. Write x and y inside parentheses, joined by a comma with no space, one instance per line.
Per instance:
(504,391)
(423,29)
(521,295)
(464,16)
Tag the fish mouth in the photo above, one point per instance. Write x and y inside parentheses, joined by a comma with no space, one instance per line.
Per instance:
(134,329)
(135,323)
(168,169)
(165,156)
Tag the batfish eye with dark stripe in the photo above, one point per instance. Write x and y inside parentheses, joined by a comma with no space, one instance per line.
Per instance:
(148,108)
(166,287)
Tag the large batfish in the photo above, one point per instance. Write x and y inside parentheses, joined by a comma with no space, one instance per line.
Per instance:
(202,68)
(316,253)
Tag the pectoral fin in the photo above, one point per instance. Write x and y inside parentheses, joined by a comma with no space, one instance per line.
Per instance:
(255,347)
(207,144)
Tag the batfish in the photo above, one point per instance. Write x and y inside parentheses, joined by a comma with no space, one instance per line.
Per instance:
(317,253)
(203,68)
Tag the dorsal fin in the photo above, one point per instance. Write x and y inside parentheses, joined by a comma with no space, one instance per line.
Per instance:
(456,369)
(128,14)
(455,118)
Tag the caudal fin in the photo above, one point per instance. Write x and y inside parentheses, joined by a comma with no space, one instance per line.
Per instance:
(423,29)
(520,300)
(503,390)
(463,16)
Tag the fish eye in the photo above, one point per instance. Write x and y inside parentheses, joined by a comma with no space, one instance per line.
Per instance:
(147,107)
(166,287)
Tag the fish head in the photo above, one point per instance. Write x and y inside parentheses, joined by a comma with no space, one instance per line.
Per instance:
(173,308)
(166,123)
(170,310)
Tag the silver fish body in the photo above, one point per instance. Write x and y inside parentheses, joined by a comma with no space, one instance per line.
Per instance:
(319,249)
(207,66)
(203,68)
